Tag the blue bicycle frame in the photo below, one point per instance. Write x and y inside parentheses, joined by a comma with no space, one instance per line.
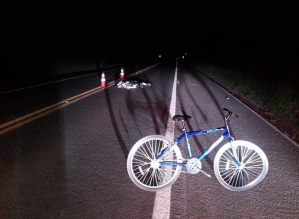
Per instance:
(185,135)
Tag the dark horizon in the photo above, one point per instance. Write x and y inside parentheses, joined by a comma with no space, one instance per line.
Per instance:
(41,32)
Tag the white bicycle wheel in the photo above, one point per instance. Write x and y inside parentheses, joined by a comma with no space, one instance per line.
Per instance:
(146,171)
(253,168)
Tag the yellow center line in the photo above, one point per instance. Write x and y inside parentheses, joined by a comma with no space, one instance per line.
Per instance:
(16,123)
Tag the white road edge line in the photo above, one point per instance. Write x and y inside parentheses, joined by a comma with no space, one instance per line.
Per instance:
(162,199)
(267,122)
(258,115)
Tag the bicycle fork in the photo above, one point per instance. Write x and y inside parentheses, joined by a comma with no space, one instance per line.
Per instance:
(234,152)
(231,139)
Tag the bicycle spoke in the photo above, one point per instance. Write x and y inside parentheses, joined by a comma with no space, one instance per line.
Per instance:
(143,153)
(240,180)
(253,168)
(249,176)
(140,162)
(165,174)
(227,175)
(147,172)
(254,158)
(252,172)
(151,150)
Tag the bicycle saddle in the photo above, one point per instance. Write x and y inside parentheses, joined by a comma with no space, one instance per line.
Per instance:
(178,118)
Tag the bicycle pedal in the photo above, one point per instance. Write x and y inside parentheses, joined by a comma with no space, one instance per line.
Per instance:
(208,175)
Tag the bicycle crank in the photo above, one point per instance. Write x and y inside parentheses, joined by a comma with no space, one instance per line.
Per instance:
(193,166)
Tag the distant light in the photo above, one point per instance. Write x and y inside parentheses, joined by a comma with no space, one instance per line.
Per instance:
(159,56)
(185,53)
(182,56)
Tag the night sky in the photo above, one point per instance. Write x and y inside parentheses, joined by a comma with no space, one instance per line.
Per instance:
(148,28)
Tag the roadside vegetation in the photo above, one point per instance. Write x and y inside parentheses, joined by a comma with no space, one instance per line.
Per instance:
(277,90)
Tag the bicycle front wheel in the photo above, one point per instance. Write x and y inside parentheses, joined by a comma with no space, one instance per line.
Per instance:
(146,171)
(253,168)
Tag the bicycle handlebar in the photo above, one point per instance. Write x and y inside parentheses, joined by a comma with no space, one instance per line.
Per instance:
(230,113)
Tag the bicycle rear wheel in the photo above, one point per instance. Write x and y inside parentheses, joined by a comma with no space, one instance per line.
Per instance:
(253,169)
(146,171)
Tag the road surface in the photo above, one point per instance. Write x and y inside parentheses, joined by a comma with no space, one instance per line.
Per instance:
(71,162)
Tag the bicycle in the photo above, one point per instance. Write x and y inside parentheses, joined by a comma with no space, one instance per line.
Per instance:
(155,163)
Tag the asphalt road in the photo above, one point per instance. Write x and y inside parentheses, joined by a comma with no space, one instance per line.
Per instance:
(71,162)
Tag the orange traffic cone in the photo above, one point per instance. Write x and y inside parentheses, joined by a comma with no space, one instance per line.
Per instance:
(103,80)
(122,74)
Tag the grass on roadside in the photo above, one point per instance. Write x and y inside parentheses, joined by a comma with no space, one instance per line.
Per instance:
(276,92)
